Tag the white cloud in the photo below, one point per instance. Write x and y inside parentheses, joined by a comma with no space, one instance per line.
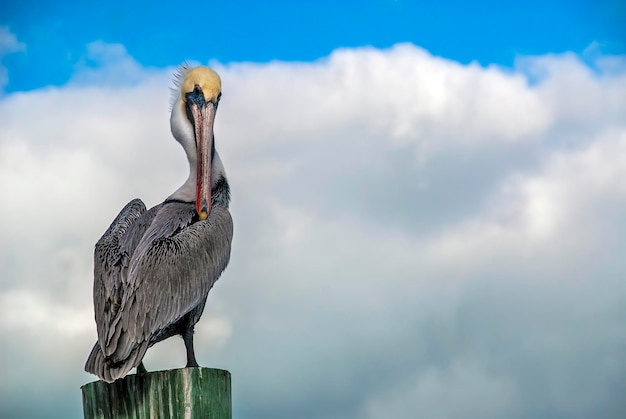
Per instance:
(9,42)
(573,200)
(403,94)
(22,310)
(406,228)
(8,45)
(109,65)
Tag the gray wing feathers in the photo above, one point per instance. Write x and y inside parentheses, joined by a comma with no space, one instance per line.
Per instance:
(124,247)
(171,271)
(110,264)
(150,269)
(98,365)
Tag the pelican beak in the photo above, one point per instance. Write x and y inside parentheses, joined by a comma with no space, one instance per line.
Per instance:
(203,114)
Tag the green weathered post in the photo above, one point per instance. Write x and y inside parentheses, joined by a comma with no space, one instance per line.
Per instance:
(188,393)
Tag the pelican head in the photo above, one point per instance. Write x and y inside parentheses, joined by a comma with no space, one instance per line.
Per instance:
(196,99)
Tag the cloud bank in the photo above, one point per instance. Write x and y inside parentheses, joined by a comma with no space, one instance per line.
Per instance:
(412,235)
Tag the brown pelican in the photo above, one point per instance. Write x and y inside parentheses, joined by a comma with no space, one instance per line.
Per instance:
(153,269)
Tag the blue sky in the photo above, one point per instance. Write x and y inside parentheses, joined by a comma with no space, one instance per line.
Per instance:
(413,232)
(490,32)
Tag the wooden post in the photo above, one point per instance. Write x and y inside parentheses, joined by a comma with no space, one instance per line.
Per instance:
(188,393)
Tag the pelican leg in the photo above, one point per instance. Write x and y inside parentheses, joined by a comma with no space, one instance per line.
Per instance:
(141,369)
(191,357)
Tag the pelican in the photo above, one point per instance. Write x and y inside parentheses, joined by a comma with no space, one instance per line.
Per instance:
(153,269)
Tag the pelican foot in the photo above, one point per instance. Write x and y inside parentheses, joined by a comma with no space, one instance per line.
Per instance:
(141,369)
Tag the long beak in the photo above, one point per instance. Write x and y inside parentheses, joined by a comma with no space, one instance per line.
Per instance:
(203,117)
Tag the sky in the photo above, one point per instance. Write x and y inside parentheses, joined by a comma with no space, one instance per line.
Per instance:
(428,200)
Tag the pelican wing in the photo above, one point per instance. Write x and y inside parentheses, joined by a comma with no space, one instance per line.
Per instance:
(111,257)
(171,271)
